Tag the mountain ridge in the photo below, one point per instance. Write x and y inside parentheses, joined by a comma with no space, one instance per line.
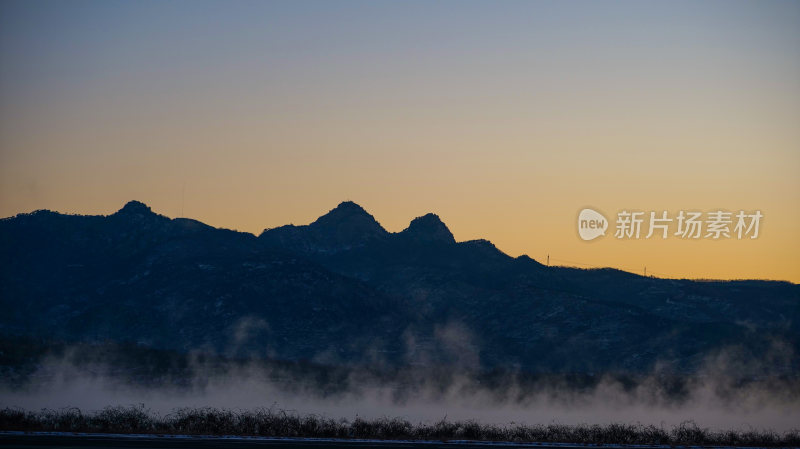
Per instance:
(344,290)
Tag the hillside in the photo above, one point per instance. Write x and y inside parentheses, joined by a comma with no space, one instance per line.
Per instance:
(343,290)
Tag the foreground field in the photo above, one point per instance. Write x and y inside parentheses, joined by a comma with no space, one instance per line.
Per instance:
(279,423)
(15,440)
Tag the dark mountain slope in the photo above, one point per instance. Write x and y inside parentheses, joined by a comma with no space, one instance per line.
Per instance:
(345,227)
(521,312)
(344,290)
(141,277)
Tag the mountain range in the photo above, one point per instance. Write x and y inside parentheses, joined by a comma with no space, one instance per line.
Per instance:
(343,290)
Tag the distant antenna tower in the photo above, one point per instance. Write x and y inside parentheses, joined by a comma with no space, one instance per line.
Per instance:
(548,260)
(645,271)
(183,196)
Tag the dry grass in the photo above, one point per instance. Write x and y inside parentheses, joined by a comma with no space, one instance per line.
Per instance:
(279,423)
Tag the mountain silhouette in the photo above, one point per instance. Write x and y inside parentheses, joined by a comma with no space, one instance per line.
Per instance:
(346,226)
(135,208)
(428,228)
(344,290)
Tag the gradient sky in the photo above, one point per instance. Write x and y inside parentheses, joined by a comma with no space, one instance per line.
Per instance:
(505,118)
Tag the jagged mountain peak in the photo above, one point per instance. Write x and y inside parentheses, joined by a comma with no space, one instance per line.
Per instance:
(350,217)
(349,206)
(346,209)
(346,226)
(429,227)
(135,208)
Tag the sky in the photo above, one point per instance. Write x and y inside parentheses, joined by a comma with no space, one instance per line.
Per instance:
(505,118)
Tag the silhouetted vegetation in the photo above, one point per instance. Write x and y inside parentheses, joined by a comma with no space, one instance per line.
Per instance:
(279,423)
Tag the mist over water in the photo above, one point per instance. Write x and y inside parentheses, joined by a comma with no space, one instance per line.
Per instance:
(710,398)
